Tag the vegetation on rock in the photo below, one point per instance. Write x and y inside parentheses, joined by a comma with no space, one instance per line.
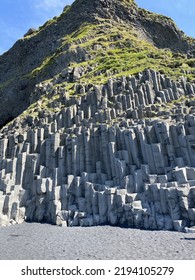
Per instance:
(106,39)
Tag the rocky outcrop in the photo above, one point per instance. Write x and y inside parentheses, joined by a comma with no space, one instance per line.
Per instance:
(20,66)
(102,159)
(83,152)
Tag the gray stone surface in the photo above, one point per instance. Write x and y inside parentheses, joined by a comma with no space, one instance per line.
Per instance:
(98,160)
(59,243)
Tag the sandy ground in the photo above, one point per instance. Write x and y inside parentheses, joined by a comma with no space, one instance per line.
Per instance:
(41,241)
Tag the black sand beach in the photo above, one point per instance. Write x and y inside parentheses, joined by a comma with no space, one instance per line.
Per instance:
(31,241)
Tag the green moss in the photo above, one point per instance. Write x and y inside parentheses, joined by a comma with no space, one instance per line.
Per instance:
(114,51)
(66,9)
(119,52)
(46,62)
(122,52)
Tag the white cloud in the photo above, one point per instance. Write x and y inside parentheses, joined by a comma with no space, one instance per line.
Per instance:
(50,5)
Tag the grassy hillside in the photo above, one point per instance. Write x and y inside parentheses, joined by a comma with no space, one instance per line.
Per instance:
(103,47)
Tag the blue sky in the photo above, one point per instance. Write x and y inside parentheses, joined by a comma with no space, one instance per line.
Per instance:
(17,16)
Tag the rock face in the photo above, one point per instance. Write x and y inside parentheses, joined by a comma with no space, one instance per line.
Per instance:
(118,151)
(20,66)
(102,159)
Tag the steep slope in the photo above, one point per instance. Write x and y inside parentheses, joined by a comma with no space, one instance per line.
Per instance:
(101,34)
(105,133)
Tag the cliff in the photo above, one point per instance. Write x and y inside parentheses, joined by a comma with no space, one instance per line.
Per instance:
(76,37)
(100,123)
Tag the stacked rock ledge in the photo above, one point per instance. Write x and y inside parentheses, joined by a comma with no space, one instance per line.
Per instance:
(103,158)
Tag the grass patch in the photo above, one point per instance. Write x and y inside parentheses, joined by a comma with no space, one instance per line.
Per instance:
(114,51)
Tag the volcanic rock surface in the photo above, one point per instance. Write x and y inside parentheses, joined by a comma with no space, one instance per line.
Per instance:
(98,127)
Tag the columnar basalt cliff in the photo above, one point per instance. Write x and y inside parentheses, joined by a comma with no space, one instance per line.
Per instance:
(102,139)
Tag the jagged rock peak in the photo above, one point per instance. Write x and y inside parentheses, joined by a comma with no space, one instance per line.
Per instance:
(104,7)
(104,3)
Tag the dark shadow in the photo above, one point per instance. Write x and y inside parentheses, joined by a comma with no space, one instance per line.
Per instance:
(188,238)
